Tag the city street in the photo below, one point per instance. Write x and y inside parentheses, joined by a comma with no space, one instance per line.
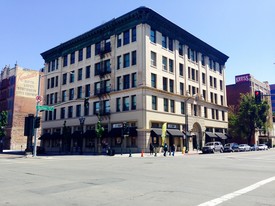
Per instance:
(246,178)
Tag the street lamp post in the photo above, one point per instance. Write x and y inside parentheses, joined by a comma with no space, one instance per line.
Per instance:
(81,121)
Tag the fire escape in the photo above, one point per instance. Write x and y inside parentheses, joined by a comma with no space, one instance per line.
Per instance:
(103,88)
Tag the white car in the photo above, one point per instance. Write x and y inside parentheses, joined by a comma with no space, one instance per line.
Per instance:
(244,147)
(262,147)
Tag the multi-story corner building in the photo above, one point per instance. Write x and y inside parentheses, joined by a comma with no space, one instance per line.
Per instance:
(244,84)
(141,69)
(18,91)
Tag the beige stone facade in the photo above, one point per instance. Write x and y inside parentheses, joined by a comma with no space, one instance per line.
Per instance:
(155,77)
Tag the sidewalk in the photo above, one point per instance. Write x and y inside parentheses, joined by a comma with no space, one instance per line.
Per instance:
(177,154)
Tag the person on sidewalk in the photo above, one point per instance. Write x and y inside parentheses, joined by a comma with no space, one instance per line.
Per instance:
(151,149)
(173,148)
(165,148)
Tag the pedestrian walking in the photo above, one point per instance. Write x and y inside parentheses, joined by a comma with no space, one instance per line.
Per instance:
(173,148)
(165,148)
(151,149)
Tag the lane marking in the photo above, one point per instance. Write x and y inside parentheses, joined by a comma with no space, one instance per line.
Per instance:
(237,193)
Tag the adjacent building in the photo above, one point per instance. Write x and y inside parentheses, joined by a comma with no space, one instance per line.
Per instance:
(139,69)
(18,91)
(244,84)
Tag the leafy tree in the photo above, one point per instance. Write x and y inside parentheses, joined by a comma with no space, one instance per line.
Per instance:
(249,117)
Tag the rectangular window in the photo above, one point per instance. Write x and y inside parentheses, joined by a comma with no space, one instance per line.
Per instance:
(134,80)
(97,48)
(126,37)
(182,108)
(202,60)
(171,85)
(134,34)
(88,72)
(164,83)
(221,85)
(134,57)
(119,39)
(88,52)
(133,102)
(96,108)
(164,63)
(153,80)
(118,104)
(211,81)
(180,49)
(78,110)
(51,98)
(126,81)
(172,106)
(97,69)
(106,107)
(181,69)
(97,88)
(171,48)
(65,60)
(71,94)
(192,55)
(118,62)
(64,95)
(164,41)
(79,92)
(79,76)
(223,116)
(87,90)
(193,75)
(126,104)
(56,81)
(165,104)
(70,111)
(153,36)
(72,59)
(153,59)
(203,78)
(80,55)
(217,114)
(62,113)
(171,65)
(221,99)
(215,82)
(126,60)
(64,79)
(86,109)
(72,77)
(154,102)
(205,112)
(213,113)
(204,94)
(52,82)
(181,88)
(48,83)
(119,84)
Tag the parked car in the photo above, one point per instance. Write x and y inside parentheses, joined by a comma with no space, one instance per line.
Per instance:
(244,147)
(263,147)
(254,147)
(212,147)
(231,147)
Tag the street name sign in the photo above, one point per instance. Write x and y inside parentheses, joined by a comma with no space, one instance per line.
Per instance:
(45,108)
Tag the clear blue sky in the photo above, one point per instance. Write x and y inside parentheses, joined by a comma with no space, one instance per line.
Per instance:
(242,29)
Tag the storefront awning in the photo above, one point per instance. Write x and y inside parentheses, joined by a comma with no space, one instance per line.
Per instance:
(211,134)
(115,132)
(221,135)
(156,132)
(89,133)
(45,136)
(175,132)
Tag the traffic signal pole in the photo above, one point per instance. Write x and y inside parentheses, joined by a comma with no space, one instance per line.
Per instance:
(36,115)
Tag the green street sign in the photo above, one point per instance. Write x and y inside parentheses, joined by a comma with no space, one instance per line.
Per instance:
(45,108)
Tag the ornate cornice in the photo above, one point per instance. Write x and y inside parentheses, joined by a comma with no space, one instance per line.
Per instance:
(117,25)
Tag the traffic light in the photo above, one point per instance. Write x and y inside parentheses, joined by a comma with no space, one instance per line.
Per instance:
(258,97)
(37,122)
(86,102)
(125,128)
(28,126)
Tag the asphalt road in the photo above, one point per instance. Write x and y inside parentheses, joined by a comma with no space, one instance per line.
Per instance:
(246,178)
